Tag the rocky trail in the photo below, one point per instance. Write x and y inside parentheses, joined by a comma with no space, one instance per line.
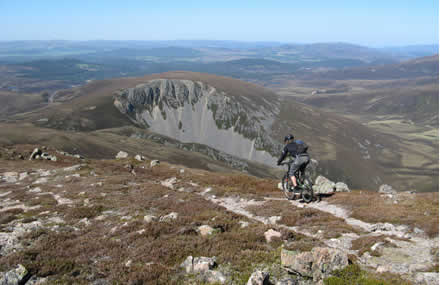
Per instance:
(409,255)
(146,206)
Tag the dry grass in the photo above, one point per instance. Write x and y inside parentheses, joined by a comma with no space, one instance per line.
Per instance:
(102,249)
(242,185)
(353,274)
(95,251)
(416,210)
(435,254)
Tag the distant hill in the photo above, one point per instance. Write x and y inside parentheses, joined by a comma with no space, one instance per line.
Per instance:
(167,52)
(413,51)
(337,50)
(425,66)
(408,89)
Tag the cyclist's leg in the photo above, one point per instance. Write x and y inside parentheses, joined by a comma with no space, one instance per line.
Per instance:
(294,168)
(303,169)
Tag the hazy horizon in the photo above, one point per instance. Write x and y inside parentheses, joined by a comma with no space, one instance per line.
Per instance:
(373,24)
(229,41)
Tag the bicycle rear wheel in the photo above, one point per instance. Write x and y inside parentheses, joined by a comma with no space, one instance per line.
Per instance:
(307,192)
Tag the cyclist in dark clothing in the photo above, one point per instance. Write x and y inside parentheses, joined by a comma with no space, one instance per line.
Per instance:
(298,151)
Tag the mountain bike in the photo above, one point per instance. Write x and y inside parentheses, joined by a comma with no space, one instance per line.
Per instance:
(305,185)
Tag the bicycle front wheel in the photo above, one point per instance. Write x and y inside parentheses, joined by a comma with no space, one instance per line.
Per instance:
(287,187)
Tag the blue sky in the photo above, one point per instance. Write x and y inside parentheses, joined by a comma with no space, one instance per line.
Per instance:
(372,23)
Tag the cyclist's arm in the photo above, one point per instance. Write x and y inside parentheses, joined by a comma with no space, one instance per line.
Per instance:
(283,155)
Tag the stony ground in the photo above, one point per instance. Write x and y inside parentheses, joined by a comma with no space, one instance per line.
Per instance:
(81,221)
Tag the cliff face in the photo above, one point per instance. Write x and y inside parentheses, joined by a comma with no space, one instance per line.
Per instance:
(192,111)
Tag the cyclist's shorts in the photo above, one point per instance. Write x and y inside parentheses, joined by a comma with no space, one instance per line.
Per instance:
(298,163)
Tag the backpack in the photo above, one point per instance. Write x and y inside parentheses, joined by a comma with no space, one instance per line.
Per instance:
(302,147)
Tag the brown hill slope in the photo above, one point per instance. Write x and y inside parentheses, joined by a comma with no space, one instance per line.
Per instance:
(346,150)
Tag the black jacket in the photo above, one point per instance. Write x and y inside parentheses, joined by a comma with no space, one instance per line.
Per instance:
(291,148)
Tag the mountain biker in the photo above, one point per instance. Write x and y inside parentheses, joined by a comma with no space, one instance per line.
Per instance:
(298,150)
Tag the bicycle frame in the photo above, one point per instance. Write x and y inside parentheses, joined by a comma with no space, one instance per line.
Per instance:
(298,174)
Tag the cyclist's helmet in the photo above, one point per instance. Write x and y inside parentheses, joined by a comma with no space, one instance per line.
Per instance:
(288,137)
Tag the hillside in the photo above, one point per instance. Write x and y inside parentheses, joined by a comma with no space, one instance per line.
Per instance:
(90,221)
(400,101)
(255,128)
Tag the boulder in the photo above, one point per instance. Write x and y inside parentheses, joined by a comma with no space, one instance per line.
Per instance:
(170,217)
(15,276)
(214,276)
(270,234)
(23,175)
(317,263)
(121,155)
(150,218)
(258,278)
(10,177)
(385,227)
(139,157)
(45,155)
(169,183)
(198,264)
(387,189)
(203,266)
(35,153)
(342,187)
(427,278)
(324,186)
(72,168)
(312,169)
(155,162)
(188,264)
(41,180)
(274,219)
(206,230)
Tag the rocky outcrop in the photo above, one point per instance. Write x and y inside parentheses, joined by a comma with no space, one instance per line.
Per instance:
(192,111)
(342,187)
(317,263)
(324,186)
